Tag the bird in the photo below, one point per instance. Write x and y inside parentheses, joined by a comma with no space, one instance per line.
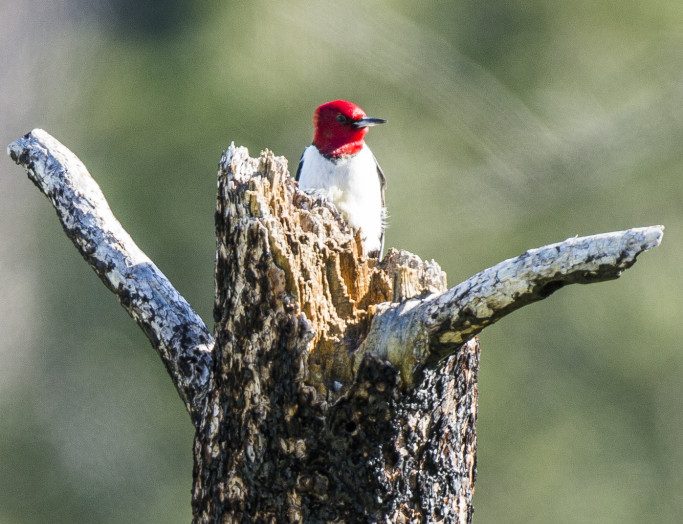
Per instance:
(339,167)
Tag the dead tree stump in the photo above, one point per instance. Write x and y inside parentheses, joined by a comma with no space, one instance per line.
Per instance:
(337,388)
(305,425)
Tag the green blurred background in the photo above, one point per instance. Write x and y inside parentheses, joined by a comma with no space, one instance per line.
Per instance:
(511,125)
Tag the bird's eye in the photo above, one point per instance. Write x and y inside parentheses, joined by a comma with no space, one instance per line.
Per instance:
(342,119)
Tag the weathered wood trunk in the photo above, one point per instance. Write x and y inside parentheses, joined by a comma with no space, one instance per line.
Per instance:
(337,388)
(301,424)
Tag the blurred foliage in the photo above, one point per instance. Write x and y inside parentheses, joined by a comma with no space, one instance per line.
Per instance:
(511,124)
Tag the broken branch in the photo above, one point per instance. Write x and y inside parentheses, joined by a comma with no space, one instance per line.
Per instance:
(178,334)
(415,331)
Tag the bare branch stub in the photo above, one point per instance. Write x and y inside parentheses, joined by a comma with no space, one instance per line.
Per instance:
(179,335)
(419,330)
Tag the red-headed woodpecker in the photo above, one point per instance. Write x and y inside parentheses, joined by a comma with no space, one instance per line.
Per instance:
(339,167)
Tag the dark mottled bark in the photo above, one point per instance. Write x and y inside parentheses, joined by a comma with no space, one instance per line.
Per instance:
(289,439)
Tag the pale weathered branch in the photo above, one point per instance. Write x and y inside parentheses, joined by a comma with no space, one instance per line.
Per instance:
(415,331)
(174,329)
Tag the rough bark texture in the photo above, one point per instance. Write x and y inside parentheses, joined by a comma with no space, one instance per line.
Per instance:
(299,431)
(413,332)
(178,334)
(339,388)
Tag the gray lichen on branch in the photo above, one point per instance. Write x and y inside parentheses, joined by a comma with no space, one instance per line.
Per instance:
(415,331)
(179,335)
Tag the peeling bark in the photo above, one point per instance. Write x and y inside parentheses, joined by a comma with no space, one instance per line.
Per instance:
(339,388)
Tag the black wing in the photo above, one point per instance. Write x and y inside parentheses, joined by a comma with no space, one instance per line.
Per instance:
(298,169)
(382,187)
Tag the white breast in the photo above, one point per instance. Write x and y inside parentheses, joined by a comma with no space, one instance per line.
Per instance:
(352,183)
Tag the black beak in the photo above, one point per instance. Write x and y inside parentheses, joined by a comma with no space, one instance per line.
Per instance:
(367,122)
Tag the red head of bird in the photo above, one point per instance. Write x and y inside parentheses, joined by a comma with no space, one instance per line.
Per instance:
(340,127)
